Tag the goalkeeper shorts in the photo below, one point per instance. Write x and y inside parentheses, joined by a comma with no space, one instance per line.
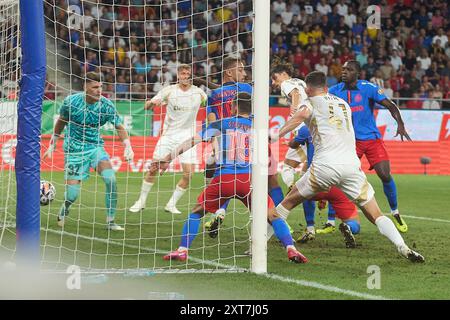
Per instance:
(78,164)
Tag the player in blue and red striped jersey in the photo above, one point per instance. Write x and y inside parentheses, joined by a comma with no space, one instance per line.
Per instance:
(219,107)
(362,95)
(232,178)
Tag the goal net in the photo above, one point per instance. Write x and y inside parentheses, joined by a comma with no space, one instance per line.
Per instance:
(136,47)
(9,74)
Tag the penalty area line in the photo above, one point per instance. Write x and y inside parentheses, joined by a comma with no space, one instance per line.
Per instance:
(271,276)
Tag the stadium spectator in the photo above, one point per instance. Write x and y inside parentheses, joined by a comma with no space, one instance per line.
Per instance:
(323,7)
(287,14)
(386,69)
(377,79)
(321,66)
(363,57)
(396,61)
(396,81)
(275,27)
(415,103)
(128,37)
(279,6)
(388,90)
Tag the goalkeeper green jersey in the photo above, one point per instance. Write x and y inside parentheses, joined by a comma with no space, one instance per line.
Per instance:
(85,121)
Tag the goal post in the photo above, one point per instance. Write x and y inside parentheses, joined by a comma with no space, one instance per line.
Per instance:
(136,48)
(261,123)
(29,111)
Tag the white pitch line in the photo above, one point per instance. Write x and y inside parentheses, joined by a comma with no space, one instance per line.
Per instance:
(317,285)
(276,277)
(417,217)
(426,218)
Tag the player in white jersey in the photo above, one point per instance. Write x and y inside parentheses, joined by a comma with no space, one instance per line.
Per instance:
(335,162)
(183,101)
(293,90)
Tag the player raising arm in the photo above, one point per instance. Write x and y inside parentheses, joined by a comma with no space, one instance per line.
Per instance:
(183,101)
(335,162)
(83,114)
(232,178)
(361,95)
(293,90)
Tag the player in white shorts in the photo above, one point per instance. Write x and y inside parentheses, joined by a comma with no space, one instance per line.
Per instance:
(335,162)
(183,101)
(293,90)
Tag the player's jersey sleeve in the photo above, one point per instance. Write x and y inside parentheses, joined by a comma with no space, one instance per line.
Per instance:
(289,85)
(64,111)
(245,87)
(286,88)
(375,92)
(163,94)
(303,135)
(333,90)
(211,131)
(111,114)
(306,103)
(211,106)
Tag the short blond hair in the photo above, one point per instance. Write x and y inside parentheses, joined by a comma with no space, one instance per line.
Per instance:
(184,66)
(92,77)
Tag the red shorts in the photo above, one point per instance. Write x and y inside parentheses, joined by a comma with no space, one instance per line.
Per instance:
(225,187)
(374,150)
(345,209)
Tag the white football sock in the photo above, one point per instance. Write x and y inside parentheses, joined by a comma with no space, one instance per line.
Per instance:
(388,229)
(311,229)
(287,174)
(282,212)
(145,189)
(177,194)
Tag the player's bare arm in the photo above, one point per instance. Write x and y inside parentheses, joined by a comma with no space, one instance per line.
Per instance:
(123,135)
(295,98)
(395,112)
(300,116)
(202,82)
(150,104)
(59,127)
(293,144)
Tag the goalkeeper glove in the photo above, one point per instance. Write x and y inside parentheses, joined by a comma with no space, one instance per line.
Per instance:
(52,146)
(128,154)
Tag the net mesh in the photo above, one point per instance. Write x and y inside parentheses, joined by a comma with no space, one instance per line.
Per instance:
(9,74)
(136,46)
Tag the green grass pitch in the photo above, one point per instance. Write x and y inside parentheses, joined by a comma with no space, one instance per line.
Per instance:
(423,200)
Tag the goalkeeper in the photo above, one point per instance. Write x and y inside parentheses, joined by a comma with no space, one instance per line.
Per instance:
(84,114)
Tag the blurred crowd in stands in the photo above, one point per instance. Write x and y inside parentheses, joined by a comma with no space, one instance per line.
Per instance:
(409,57)
(136,44)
